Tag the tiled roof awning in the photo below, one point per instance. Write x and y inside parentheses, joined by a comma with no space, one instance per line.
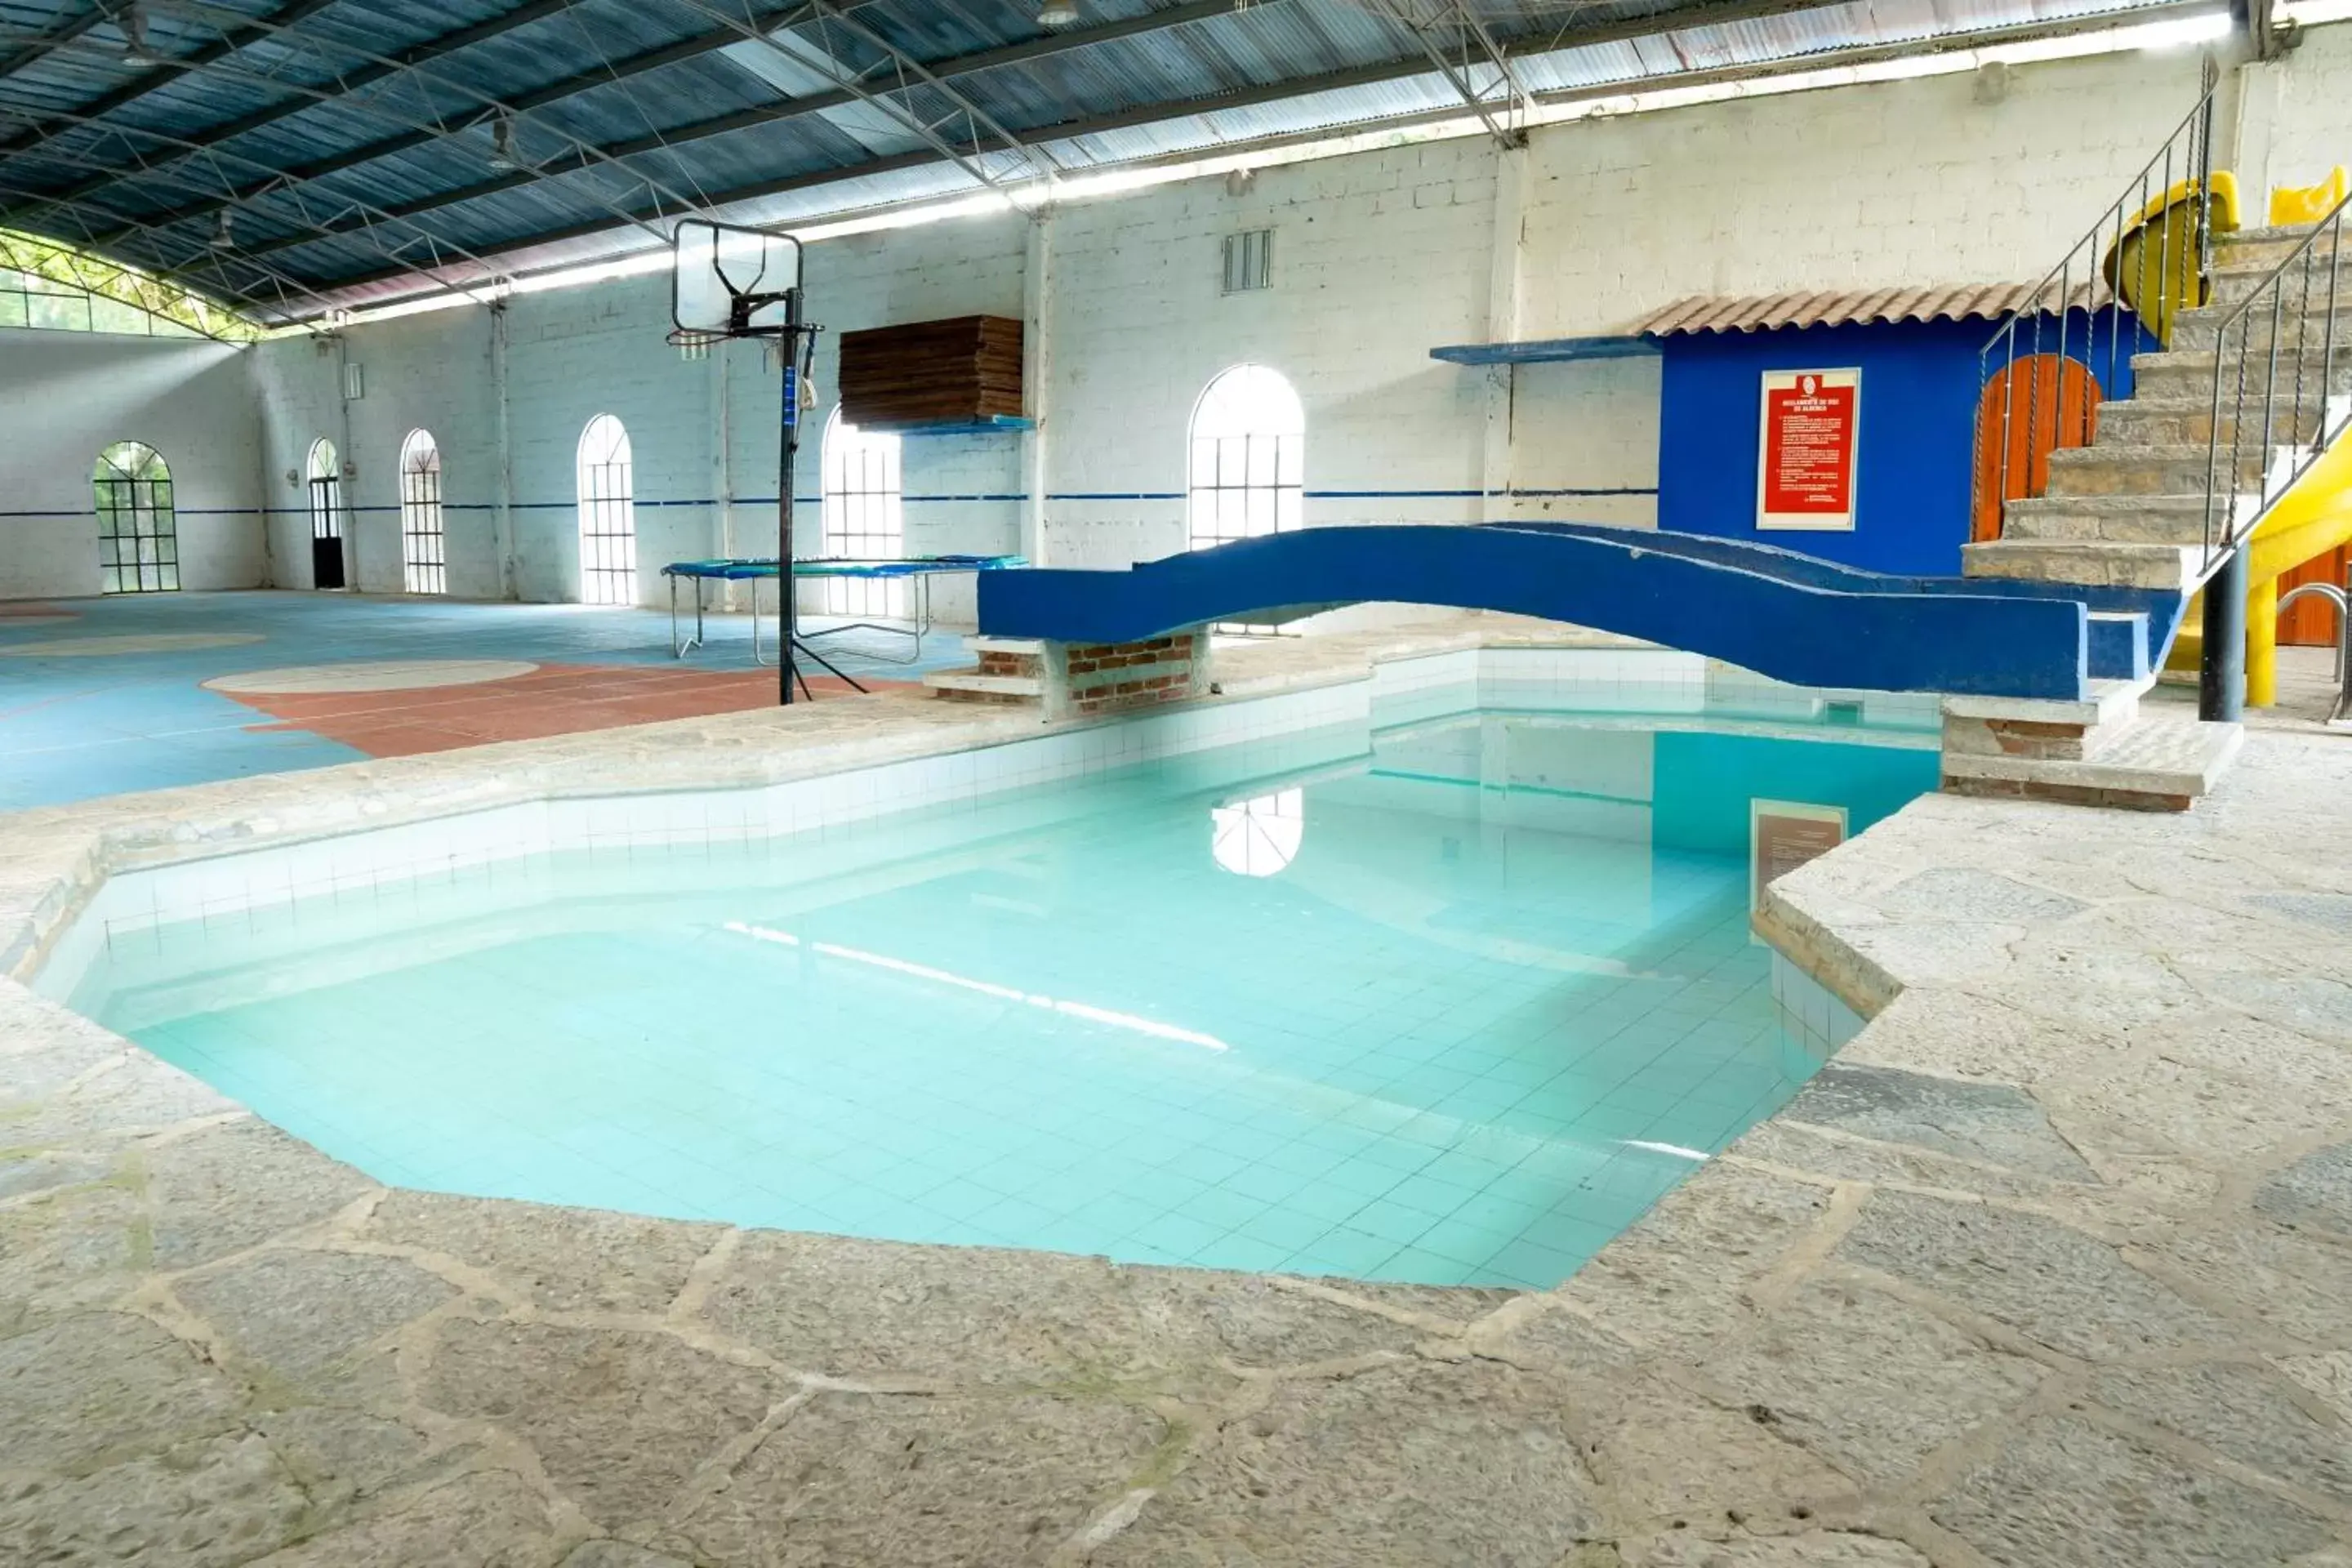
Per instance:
(1949,302)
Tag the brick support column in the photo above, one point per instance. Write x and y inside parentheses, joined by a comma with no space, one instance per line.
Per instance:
(1084,680)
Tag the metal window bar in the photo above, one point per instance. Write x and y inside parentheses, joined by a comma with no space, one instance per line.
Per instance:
(608,530)
(2186,154)
(865,519)
(138,532)
(1242,487)
(424,540)
(326,507)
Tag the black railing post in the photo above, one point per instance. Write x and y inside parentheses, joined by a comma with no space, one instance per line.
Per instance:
(2222,668)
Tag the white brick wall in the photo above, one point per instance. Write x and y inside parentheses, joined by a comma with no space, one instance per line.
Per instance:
(2310,130)
(1378,257)
(71,395)
(1878,185)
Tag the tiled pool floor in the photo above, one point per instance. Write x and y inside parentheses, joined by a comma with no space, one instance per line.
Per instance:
(107,695)
(1420,1017)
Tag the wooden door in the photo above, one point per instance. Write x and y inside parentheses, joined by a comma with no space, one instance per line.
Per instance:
(2041,403)
(2311,622)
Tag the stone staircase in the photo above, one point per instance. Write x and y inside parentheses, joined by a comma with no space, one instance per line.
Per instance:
(2129,508)
(2130,511)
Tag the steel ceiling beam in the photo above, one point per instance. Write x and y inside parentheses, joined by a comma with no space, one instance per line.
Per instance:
(487,107)
(1359,76)
(784,109)
(1474,47)
(448,43)
(44,129)
(34,49)
(616,71)
(487,271)
(890,100)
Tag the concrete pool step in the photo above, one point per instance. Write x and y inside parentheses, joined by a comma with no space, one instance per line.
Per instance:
(2103,750)
(1010,670)
(972,686)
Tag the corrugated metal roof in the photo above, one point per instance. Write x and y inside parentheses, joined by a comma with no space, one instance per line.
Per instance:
(350,142)
(1770,312)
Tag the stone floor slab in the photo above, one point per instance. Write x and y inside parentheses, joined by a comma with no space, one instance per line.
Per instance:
(2070,1492)
(1995,1123)
(923,1482)
(2067,1289)
(1464,1463)
(620,1421)
(295,1313)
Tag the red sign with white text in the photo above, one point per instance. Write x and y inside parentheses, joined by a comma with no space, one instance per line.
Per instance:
(1806,475)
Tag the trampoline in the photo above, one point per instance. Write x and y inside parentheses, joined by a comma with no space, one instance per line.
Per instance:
(919,569)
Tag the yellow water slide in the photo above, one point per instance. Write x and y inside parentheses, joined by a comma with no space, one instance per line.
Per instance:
(2154,266)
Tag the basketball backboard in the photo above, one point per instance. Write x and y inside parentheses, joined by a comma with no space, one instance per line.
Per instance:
(731,281)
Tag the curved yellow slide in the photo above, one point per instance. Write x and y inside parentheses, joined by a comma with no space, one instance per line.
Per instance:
(2154,262)
(2312,518)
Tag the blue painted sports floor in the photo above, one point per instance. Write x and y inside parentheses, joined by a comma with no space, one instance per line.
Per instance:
(84,719)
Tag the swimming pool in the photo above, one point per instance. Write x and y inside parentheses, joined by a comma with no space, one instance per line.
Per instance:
(1452,1000)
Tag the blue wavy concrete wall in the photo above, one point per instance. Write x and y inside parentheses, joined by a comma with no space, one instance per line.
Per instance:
(1628,581)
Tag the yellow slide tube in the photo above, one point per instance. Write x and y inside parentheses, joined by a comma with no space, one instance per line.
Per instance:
(2312,518)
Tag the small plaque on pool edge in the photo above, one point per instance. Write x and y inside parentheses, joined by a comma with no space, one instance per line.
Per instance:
(1782,835)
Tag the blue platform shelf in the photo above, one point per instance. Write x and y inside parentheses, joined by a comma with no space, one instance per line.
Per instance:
(1547,351)
(995,424)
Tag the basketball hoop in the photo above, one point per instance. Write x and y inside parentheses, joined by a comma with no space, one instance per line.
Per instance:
(730,281)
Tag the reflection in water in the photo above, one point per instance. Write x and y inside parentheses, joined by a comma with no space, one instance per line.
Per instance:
(1259,838)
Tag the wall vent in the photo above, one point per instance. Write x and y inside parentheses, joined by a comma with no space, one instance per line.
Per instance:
(1249,260)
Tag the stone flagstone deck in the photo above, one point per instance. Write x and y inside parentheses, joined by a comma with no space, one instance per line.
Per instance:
(2051,1267)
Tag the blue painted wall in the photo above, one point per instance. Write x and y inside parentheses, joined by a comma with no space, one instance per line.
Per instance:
(1920,381)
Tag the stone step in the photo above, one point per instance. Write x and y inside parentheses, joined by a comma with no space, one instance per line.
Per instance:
(2188,421)
(2174,520)
(2263,248)
(2040,726)
(2145,765)
(2258,328)
(971,685)
(2190,374)
(2121,471)
(1019,648)
(2230,284)
(2095,563)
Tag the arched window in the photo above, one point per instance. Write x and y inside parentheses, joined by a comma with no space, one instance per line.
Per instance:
(424,546)
(1249,458)
(608,515)
(865,514)
(137,535)
(326,488)
(1258,838)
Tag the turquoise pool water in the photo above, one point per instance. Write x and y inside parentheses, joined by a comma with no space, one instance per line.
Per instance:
(1456,1010)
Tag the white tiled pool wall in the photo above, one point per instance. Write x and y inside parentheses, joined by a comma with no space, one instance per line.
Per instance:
(371,858)
(1815,1017)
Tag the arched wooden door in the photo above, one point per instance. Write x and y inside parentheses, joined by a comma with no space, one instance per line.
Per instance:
(2034,407)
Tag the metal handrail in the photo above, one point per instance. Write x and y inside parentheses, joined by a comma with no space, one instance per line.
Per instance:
(2314,416)
(2342,599)
(2190,150)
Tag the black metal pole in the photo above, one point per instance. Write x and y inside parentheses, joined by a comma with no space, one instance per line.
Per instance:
(2222,667)
(788,447)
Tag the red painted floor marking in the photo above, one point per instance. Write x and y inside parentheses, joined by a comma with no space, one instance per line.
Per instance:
(554,700)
